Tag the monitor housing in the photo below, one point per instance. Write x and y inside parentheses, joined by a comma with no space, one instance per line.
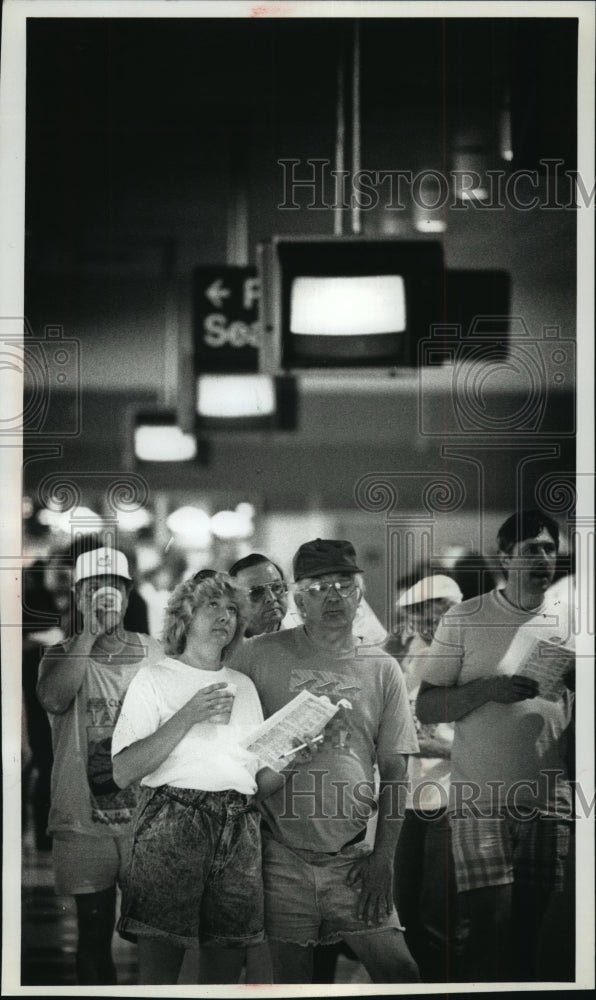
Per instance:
(348,302)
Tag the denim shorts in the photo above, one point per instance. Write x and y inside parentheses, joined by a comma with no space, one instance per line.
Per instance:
(195,870)
(309,903)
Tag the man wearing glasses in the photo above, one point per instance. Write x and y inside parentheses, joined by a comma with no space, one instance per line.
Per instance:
(267,593)
(324,879)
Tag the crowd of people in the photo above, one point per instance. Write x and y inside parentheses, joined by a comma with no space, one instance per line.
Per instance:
(427,828)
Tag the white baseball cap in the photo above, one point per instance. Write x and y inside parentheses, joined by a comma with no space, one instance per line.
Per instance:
(101,562)
(431,588)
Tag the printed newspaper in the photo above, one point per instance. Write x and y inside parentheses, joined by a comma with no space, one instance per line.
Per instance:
(306,715)
(547,663)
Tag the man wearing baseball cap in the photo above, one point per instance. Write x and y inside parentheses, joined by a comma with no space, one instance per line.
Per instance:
(324,882)
(82,684)
(424,873)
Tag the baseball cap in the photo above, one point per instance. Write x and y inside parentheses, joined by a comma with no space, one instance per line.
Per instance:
(431,588)
(101,562)
(324,555)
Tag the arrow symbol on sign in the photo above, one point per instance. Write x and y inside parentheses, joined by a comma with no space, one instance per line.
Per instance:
(217,292)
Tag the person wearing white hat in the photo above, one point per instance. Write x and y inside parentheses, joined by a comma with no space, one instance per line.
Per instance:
(431,588)
(82,683)
(424,879)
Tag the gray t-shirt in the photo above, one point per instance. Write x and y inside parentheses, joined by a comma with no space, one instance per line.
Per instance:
(327,802)
(85,798)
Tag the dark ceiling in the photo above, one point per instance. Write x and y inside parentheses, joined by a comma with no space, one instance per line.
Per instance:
(113,98)
(132,128)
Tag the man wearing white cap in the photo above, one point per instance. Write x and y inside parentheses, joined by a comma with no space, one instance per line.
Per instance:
(424,876)
(82,684)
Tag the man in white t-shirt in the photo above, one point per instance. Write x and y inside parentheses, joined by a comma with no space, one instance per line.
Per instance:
(82,684)
(510,800)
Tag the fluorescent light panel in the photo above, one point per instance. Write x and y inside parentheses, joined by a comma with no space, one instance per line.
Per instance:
(235,397)
(425,224)
(164,443)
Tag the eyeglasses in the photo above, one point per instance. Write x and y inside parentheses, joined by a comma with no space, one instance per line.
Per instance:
(257,594)
(345,588)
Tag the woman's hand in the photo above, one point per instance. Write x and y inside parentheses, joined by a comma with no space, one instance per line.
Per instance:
(210,704)
(144,756)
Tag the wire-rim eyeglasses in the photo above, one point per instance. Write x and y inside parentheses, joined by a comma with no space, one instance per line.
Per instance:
(257,594)
(345,588)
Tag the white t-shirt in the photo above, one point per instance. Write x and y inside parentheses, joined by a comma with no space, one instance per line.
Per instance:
(520,745)
(208,756)
(429,775)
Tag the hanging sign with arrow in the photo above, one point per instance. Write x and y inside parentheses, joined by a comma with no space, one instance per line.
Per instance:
(226,319)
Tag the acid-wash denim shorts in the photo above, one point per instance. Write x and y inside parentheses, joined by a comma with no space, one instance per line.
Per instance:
(194,874)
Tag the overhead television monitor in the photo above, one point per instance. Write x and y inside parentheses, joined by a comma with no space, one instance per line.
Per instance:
(348,302)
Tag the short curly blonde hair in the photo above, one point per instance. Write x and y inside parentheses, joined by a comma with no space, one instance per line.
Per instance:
(183,604)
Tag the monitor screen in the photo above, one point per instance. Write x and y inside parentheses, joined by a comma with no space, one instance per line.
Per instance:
(353,302)
(359,305)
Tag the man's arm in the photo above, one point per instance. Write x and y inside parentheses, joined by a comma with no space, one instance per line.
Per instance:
(448,704)
(61,674)
(375,871)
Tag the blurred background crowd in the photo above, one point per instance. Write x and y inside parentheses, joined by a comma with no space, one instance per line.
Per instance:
(163,553)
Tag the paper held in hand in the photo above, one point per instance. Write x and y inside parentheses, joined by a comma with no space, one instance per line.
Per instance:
(547,663)
(306,715)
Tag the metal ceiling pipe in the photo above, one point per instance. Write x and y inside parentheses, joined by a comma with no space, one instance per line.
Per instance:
(356,131)
(340,148)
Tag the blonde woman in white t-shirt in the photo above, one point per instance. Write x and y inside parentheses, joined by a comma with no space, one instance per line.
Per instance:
(195,866)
